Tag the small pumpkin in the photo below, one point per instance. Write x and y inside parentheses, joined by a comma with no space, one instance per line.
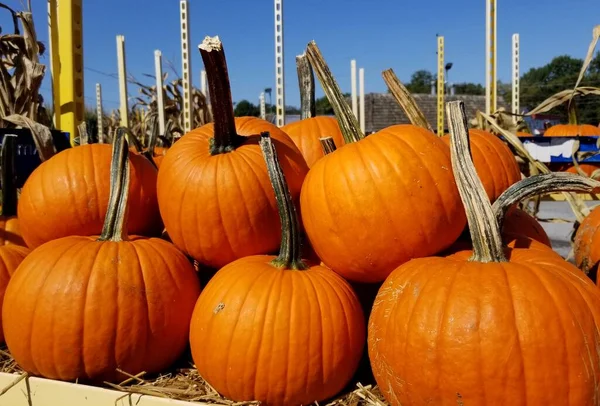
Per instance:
(213,187)
(78,308)
(436,318)
(519,222)
(276,329)
(10,230)
(10,258)
(68,195)
(307,132)
(587,169)
(573,128)
(587,244)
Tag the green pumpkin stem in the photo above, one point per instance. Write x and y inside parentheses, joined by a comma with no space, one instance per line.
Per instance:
(115,222)
(290,252)
(306,81)
(327,144)
(9,187)
(485,233)
(541,185)
(346,119)
(225,137)
(405,100)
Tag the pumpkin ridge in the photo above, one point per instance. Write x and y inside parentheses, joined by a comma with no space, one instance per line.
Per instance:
(491,153)
(507,167)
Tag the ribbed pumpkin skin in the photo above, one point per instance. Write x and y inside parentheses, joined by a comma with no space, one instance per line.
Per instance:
(281,337)
(10,231)
(220,208)
(306,133)
(587,242)
(78,309)
(10,258)
(375,204)
(447,332)
(570,130)
(68,195)
(518,221)
(495,163)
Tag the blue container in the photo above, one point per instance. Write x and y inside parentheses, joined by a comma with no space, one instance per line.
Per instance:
(586,144)
(27,158)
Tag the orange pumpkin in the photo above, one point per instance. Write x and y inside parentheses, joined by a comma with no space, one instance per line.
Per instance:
(68,195)
(276,329)
(572,130)
(213,187)
(495,163)
(449,330)
(519,222)
(10,258)
(78,308)
(10,232)
(587,244)
(588,169)
(306,133)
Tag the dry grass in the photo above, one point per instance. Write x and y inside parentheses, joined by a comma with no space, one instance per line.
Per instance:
(185,384)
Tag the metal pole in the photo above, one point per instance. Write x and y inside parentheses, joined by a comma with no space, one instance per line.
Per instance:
(124,103)
(440,86)
(70,50)
(491,84)
(99,115)
(279,73)
(54,61)
(353,87)
(361,92)
(160,98)
(186,66)
(263,110)
(515,76)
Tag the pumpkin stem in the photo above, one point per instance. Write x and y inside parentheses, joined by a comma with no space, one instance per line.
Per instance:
(9,188)
(149,153)
(346,119)
(485,233)
(572,112)
(306,81)
(115,222)
(541,185)
(327,144)
(226,138)
(290,252)
(405,100)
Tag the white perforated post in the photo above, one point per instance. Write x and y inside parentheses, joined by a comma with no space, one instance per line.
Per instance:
(123,99)
(160,98)
(263,110)
(279,75)
(491,85)
(99,114)
(440,85)
(203,86)
(353,87)
(185,66)
(515,76)
(361,92)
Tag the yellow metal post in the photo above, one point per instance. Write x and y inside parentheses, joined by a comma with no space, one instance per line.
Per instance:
(54,61)
(70,51)
(440,86)
(490,58)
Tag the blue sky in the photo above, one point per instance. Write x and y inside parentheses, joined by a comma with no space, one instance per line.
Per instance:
(379,34)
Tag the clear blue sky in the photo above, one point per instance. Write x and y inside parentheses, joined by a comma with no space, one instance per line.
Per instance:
(379,34)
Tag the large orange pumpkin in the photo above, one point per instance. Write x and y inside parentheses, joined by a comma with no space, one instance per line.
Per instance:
(10,232)
(276,329)
(213,186)
(68,195)
(449,331)
(495,163)
(572,130)
(10,258)
(78,308)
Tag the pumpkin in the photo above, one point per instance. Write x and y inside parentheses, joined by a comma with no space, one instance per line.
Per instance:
(10,230)
(519,222)
(495,163)
(213,187)
(78,308)
(449,330)
(10,258)
(363,206)
(572,130)
(587,169)
(587,244)
(68,195)
(276,329)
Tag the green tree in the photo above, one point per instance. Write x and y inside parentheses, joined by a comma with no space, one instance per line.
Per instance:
(469,88)
(420,81)
(323,107)
(245,108)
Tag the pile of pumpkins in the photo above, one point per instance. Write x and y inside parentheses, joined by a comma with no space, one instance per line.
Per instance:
(94,288)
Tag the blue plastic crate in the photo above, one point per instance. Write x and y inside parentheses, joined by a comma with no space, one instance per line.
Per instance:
(553,144)
(27,158)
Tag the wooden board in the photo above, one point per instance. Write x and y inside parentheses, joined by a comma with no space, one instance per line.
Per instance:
(46,392)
